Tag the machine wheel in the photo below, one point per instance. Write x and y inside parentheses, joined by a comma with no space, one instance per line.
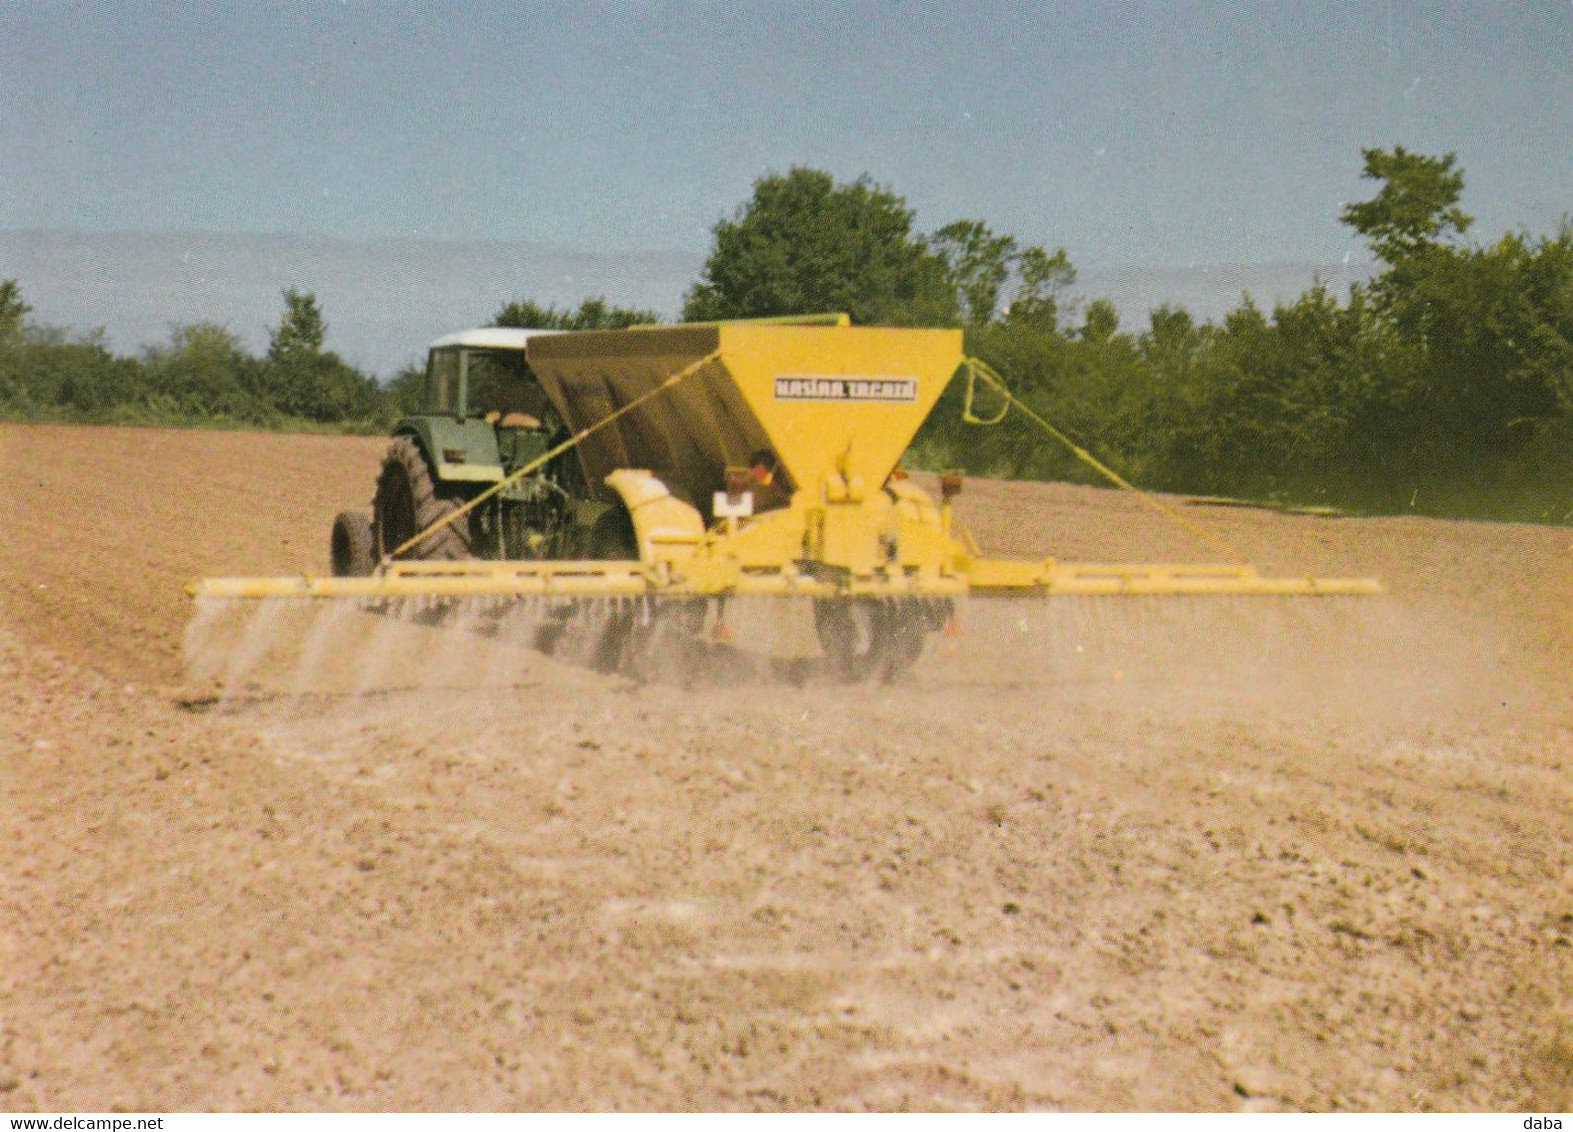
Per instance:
(911,620)
(409,500)
(905,630)
(867,638)
(354,547)
(853,634)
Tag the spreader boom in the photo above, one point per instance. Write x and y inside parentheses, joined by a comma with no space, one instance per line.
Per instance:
(1119,579)
(979,577)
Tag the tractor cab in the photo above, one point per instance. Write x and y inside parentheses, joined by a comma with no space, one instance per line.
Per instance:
(485,412)
(478,372)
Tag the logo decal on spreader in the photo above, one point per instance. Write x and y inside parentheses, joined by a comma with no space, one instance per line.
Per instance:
(793,387)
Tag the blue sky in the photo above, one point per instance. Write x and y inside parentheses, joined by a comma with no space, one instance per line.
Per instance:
(1145,133)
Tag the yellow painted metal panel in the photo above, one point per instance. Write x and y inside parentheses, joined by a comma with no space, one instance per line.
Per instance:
(818,397)
(844,400)
(686,436)
(1114,579)
(664,526)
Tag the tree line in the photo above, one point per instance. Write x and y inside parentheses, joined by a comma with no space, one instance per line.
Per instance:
(201,376)
(1442,385)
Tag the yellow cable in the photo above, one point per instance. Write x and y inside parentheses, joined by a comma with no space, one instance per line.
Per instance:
(571,442)
(977,367)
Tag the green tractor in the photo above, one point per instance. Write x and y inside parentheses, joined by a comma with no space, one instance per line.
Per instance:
(486,417)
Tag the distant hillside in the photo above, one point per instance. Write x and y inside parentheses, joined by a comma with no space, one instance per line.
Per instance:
(386,299)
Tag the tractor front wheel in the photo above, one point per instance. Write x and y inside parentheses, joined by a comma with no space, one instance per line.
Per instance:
(354,545)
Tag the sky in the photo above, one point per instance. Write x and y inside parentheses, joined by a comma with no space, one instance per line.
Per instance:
(1130,134)
(1213,133)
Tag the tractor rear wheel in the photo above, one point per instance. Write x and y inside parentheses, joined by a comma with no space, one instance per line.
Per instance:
(354,545)
(409,500)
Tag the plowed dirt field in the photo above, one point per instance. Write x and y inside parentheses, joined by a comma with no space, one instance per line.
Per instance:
(1114,853)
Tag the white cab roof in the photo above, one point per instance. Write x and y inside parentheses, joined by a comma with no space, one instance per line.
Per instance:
(491,338)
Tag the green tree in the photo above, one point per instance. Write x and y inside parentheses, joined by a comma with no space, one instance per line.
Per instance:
(12,312)
(1320,366)
(1547,281)
(804,244)
(301,331)
(1043,278)
(1416,206)
(1473,361)
(1101,321)
(45,373)
(295,359)
(978,263)
(301,379)
(405,393)
(202,373)
(593,314)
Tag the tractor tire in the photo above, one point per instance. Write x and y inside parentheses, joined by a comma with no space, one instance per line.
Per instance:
(354,546)
(409,500)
